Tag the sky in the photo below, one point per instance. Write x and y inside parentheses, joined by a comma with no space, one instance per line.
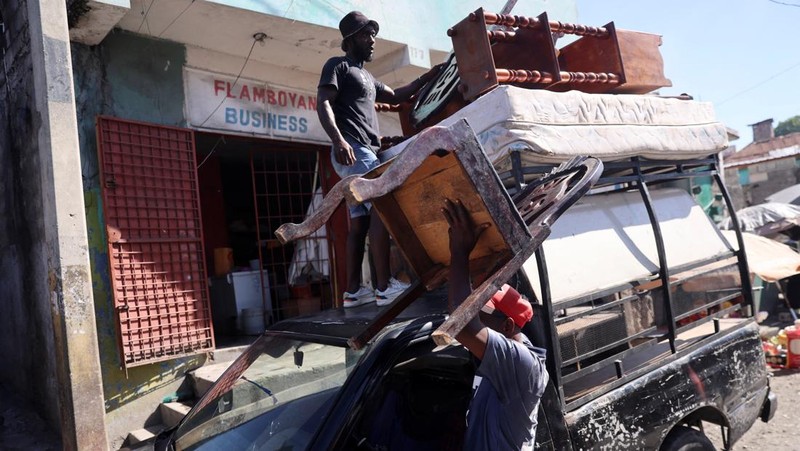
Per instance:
(741,55)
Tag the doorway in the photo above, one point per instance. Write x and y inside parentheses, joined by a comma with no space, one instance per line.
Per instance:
(248,188)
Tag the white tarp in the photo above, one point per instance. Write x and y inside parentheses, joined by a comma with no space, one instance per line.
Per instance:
(790,195)
(765,219)
(311,257)
(606,240)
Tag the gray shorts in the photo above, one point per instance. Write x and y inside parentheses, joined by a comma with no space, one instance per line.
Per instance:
(366,160)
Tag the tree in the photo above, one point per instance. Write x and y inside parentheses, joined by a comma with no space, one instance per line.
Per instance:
(790,125)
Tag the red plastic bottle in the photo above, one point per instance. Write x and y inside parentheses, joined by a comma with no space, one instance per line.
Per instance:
(793,347)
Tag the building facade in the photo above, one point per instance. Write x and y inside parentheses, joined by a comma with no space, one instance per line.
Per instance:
(149,150)
(765,166)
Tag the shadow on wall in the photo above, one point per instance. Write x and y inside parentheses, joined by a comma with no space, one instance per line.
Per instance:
(130,77)
(153,378)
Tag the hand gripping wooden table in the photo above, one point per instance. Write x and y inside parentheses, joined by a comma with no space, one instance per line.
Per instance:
(408,193)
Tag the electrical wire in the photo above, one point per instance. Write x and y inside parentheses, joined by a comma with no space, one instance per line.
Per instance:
(234,81)
(758,84)
(785,4)
(287,9)
(144,19)
(219,140)
(333,6)
(176,18)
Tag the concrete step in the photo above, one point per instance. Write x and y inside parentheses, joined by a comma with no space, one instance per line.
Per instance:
(227,354)
(205,376)
(144,434)
(273,375)
(173,412)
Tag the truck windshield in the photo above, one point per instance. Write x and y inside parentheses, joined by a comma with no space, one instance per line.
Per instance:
(274,396)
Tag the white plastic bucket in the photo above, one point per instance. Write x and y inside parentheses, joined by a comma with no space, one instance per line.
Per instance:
(252,321)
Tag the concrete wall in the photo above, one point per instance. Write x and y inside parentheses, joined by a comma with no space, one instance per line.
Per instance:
(129,77)
(26,315)
(765,178)
(734,188)
(48,341)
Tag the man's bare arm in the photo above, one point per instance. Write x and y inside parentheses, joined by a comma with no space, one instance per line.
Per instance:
(402,94)
(343,152)
(463,237)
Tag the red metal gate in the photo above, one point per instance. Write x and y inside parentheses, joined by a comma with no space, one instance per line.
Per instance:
(286,180)
(151,206)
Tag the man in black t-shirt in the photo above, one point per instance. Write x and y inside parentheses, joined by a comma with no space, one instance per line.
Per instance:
(346,98)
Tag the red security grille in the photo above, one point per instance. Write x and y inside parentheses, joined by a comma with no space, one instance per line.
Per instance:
(155,244)
(288,185)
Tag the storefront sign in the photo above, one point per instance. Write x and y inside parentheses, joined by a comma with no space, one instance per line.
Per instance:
(221,102)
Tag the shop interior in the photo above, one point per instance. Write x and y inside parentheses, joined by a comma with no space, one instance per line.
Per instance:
(248,188)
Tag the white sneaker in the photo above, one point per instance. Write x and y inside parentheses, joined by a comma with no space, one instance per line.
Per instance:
(360,297)
(393,289)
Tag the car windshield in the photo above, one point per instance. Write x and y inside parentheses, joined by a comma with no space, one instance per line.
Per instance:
(274,396)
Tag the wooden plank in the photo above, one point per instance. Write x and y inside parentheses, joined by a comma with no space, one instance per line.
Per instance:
(592,54)
(475,60)
(388,177)
(530,49)
(446,333)
(490,188)
(424,200)
(399,228)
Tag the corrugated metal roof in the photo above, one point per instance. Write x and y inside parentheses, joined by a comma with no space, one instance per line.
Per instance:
(773,149)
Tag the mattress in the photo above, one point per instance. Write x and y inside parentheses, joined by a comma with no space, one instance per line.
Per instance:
(551,127)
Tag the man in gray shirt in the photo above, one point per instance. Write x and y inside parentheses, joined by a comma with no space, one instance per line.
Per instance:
(511,376)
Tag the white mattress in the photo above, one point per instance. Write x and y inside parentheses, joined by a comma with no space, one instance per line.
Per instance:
(550,127)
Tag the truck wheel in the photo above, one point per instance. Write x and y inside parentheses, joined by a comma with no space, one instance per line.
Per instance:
(684,438)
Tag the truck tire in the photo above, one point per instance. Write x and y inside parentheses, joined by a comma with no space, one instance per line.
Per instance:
(684,438)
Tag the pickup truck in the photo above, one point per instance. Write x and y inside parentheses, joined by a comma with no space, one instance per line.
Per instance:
(643,306)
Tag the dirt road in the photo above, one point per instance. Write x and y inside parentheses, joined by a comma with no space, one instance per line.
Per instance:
(783,432)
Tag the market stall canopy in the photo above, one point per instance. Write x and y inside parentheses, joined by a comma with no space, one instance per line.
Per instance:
(766,219)
(790,195)
(768,259)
